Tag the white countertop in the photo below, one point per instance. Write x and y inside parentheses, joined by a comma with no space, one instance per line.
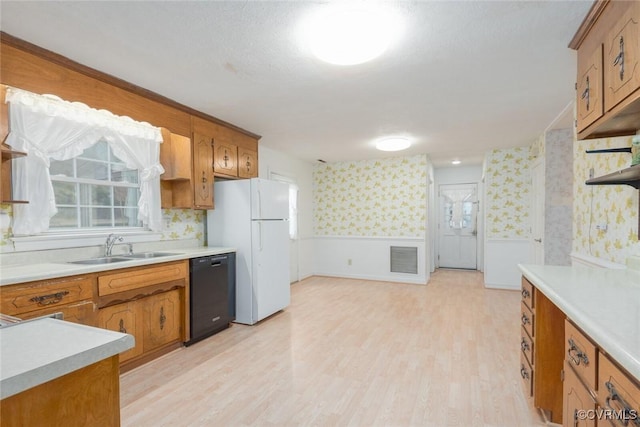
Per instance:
(604,303)
(38,351)
(13,274)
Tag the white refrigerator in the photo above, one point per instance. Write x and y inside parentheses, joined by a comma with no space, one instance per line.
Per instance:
(252,215)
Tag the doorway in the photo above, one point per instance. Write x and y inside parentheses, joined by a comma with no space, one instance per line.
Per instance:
(458,226)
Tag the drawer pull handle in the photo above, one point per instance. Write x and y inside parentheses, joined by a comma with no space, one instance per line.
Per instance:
(619,60)
(163,318)
(50,299)
(525,319)
(628,414)
(576,355)
(524,345)
(524,373)
(585,94)
(525,293)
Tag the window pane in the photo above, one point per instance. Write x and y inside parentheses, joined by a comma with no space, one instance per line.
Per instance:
(65,218)
(97,151)
(65,193)
(126,196)
(95,195)
(64,167)
(126,217)
(120,173)
(92,170)
(96,217)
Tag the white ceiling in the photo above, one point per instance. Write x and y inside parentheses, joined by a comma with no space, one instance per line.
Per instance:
(464,77)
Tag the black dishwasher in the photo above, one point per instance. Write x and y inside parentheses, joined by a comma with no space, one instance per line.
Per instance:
(211,295)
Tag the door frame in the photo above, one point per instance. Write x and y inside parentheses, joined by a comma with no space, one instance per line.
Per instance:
(479,218)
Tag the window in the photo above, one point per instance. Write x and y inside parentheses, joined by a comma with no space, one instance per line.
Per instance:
(94,190)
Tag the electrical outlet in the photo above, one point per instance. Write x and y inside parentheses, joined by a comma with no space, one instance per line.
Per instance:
(167,222)
(591,173)
(601,227)
(349,261)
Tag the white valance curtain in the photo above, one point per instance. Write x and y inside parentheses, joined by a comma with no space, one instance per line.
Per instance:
(47,127)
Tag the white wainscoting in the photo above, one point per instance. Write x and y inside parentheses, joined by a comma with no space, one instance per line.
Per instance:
(369,258)
(501,259)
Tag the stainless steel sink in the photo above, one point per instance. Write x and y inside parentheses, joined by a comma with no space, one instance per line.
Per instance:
(102,260)
(145,255)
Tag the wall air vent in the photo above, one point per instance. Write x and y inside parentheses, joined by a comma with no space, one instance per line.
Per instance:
(404,259)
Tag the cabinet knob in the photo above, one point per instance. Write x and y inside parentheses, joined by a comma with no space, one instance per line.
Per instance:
(163,318)
(122,329)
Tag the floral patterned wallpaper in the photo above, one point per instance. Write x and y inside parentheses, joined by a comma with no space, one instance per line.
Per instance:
(614,205)
(183,224)
(386,197)
(508,187)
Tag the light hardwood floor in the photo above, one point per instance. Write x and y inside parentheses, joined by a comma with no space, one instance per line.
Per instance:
(349,353)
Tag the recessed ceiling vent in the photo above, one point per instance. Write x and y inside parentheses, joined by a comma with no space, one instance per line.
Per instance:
(404,259)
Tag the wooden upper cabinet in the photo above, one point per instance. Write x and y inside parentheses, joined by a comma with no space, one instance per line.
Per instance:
(176,183)
(203,171)
(608,78)
(247,163)
(590,106)
(622,53)
(225,157)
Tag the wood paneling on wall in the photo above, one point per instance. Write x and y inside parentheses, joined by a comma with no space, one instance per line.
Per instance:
(32,68)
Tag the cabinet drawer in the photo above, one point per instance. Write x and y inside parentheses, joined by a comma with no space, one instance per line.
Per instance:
(581,354)
(527,319)
(24,298)
(526,372)
(82,312)
(526,345)
(130,279)
(616,391)
(528,296)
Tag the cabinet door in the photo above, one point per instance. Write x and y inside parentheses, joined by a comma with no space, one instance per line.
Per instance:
(202,171)
(225,158)
(123,318)
(577,401)
(247,163)
(590,106)
(162,319)
(622,54)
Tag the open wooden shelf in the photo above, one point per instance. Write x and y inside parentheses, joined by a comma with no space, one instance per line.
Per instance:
(629,176)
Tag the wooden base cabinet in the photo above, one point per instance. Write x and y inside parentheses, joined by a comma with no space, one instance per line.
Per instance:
(150,304)
(87,397)
(543,340)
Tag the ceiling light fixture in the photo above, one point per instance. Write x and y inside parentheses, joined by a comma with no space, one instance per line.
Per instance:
(351,35)
(455,162)
(393,144)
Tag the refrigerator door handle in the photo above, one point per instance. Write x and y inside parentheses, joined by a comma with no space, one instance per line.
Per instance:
(259,206)
(260,235)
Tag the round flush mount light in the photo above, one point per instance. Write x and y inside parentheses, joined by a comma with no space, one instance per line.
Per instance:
(351,35)
(455,162)
(393,144)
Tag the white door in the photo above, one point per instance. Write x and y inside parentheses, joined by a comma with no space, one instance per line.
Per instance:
(457,238)
(537,212)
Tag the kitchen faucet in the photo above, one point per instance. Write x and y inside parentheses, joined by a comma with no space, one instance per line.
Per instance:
(111,240)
